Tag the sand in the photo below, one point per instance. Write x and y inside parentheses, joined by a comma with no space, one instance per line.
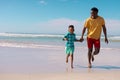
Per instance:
(105,75)
(49,64)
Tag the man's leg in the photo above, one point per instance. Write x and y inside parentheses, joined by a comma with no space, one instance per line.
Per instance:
(90,57)
(97,47)
(97,50)
(90,49)
(95,53)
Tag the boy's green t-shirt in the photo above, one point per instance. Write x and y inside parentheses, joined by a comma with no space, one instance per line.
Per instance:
(71,38)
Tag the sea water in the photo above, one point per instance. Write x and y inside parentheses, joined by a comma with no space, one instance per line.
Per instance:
(32,40)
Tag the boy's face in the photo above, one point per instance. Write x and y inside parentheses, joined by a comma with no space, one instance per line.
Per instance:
(71,30)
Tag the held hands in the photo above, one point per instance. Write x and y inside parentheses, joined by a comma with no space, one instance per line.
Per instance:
(81,39)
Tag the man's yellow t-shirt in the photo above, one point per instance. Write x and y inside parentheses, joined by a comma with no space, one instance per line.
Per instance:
(94,27)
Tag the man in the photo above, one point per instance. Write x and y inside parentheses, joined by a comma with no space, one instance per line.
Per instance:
(94,26)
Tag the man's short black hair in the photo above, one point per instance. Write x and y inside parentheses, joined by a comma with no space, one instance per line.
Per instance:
(71,26)
(94,9)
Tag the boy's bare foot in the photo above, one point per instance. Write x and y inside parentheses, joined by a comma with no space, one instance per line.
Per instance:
(66,60)
(92,58)
(89,66)
(72,66)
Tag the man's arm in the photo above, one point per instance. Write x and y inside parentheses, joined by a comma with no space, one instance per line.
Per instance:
(83,32)
(105,33)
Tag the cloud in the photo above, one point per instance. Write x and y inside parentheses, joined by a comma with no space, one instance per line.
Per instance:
(113,23)
(43,2)
(58,25)
(69,0)
(113,26)
(63,0)
(61,25)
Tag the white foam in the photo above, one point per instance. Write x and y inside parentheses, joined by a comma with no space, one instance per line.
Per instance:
(28,35)
(27,45)
(48,35)
(115,38)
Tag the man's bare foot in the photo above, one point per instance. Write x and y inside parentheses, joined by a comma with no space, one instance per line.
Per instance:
(92,58)
(89,66)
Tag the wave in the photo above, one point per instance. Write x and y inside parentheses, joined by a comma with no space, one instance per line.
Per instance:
(24,35)
(42,46)
(115,38)
(28,45)
(29,35)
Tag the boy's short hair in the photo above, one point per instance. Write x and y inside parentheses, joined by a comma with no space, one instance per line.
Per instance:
(71,26)
(94,9)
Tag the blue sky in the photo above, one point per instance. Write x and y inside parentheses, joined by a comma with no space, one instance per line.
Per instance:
(53,16)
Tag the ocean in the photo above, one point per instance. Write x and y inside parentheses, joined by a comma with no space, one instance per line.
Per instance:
(32,40)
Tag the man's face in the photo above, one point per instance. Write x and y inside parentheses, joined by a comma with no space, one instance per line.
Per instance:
(93,13)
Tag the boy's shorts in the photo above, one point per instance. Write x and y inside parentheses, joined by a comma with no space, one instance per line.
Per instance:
(69,50)
(91,42)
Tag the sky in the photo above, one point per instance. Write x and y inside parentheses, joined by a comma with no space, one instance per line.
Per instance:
(54,16)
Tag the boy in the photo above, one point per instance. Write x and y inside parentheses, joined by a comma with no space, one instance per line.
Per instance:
(70,38)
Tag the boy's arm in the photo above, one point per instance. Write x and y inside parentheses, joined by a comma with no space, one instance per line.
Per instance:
(76,40)
(65,37)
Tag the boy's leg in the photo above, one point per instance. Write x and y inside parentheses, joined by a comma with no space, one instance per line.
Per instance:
(67,58)
(71,55)
(67,54)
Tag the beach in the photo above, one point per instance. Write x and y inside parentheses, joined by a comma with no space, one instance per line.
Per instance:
(49,64)
(38,36)
(38,58)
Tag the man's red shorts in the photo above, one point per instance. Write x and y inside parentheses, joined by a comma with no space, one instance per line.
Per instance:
(91,42)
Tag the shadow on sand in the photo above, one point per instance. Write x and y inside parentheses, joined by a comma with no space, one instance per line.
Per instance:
(107,67)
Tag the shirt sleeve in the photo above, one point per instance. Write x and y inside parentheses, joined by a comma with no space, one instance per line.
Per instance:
(103,21)
(66,36)
(86,24)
